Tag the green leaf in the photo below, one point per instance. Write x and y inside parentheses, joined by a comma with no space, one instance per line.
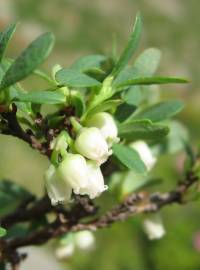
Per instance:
(77,100)
(43,76)
(88,63)
(104,106)
(129,157)
(5,37)
(124,111)
(133,95)
(131,47)
(145,65)
(29,60)
(74,78)
(175,141)
(147,62)
(2,232)
(11,196)
(42,97)
(13,91)
(149,81)
(142,130)
(161,111)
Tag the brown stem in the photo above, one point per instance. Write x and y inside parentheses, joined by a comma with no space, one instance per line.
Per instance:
(15,130)
(133,205)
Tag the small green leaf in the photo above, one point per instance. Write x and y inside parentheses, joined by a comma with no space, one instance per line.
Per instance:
(175,141)
(145,65)
(29,60)
(149,81)
(131,47)
(42,97)
(2,232)
(161,111)
(13,91)
(142,130)
(129,157)
(43,76)
(5,37)
(74,78)
(124,111)
(133,95)
(147,62)
(77,100)
(88,63)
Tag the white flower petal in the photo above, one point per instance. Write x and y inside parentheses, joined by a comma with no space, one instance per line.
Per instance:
(57,190)
(73,170)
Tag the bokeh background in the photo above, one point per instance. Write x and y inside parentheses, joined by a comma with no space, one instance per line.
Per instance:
(86,27)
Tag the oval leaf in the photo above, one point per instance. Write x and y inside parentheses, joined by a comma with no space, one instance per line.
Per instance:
(145,65)
(89,62)
(5,37)
(130,48)
(129,157)
(147,62)
(42,97)
(74,78)
(29,60)
(161,111)
(142,130)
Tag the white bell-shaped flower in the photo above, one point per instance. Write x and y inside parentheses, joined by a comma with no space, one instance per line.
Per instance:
(145,153)
(91,144)
(107,126)
(73,170)
(57,190)
(154,228)
(96,181)
(64,252)
(84,240)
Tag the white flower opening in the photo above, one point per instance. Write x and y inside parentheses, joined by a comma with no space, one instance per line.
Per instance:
(85,178)
(96,181)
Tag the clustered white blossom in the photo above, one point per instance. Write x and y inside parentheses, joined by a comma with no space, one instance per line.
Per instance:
(79,171)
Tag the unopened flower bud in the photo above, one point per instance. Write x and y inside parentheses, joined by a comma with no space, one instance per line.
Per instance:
(107,126)
(91,144)
(145,153)
(57,190)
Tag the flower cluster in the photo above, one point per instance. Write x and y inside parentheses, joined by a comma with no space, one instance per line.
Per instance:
(79,170)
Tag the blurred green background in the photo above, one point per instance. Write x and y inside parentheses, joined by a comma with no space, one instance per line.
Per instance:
(86,27)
